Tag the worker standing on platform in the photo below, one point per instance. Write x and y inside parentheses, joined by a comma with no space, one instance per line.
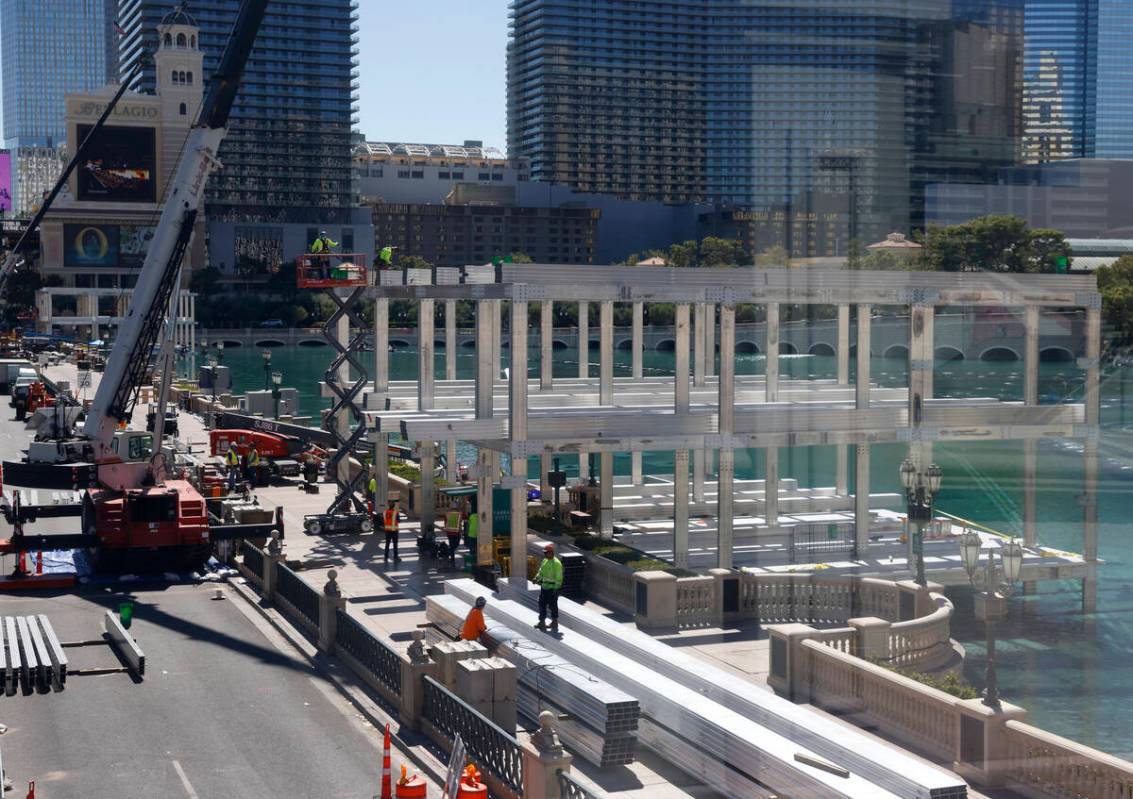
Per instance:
(549,578)
(232,462)
(253,465)
(323,245)
(389,523)
(474,624)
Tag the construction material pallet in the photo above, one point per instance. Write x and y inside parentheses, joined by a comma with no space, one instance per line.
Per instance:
(31,656)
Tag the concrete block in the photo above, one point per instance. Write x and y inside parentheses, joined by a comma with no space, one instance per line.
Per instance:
(474,682)
(504,715)
(504,679)
(449,653)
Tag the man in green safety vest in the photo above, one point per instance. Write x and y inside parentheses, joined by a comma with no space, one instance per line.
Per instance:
(385,255)
(232,463)
(549,578)
(253,465)
(323,245)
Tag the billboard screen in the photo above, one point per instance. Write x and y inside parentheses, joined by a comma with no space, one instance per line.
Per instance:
(121,166)
(133,242)
(5,183)
(90,245)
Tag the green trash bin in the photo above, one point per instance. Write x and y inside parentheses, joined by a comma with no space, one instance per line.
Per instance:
(126,613)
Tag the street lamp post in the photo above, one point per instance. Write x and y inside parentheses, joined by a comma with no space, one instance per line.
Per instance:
(220,352)
(991,596)
(267,369)
(920,492)
(276,381)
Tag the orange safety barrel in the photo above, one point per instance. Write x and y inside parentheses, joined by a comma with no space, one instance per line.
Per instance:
(414,787)
(470,786)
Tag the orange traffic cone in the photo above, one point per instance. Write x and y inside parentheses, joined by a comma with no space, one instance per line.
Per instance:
(387,775)
(31,789)
(39,562)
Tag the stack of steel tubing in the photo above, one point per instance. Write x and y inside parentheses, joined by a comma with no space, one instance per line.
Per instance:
(730,753)
(894,770)
(602,721)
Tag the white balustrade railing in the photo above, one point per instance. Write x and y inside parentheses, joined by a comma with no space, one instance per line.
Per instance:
(696,602)
(1046,765)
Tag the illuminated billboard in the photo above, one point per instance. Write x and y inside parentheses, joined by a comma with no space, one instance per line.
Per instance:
(121,165)
(90,245)
(5,183)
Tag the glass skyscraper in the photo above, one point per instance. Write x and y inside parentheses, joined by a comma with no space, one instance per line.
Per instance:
(287,156)
(817,121)
(1078,97)
(46,50)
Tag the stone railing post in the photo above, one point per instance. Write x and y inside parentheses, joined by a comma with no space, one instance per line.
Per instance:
(913,602)
(981,740)
(788,675)
(873,637)
(415,666)
(543,759)
(272,558)
(655,604)
(727,593)
(331,601)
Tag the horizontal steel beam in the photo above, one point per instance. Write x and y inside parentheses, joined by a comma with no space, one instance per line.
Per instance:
(565,283)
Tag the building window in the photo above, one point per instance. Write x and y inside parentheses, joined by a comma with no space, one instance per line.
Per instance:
(193,42)
(403,173)
(168,40)
(189,78)
(176,76)
(418,174)
(184,109)
(458,176)
(181,41)
(497,176)
(444,175)
(485,176)
(348,239)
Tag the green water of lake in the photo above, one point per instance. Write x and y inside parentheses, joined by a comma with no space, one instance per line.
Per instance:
(1070,670)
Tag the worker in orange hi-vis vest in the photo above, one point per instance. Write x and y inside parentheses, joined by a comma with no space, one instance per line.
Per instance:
(390,524)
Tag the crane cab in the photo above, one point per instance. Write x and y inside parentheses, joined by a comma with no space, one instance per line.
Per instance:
(133,445)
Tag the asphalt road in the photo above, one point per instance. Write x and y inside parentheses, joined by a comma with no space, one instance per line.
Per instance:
(222,712)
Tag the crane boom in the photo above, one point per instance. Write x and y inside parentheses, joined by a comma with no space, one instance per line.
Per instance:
(140,328)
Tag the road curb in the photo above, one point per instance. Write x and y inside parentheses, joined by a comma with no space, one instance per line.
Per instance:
(355,694)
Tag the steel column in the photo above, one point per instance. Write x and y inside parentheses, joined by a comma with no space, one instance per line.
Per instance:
(680,508)
(727,426)
(861,383)
(497,341)
(583,339)
(842,350)
(518,575)
(772,352)
(771,486)
(680,380)
(1031,321)
(861,500)
(426,363)
(638,342)
(841,470)
(452,470)
(485,476)
(517,405)
(635,468)
(428,509)
(698,469)
(606,354)
(484,359)
(1092,401)
(450,340)
(700,319)
(710,342)
(381,469)
(546,345)
(606,493)
(381,345)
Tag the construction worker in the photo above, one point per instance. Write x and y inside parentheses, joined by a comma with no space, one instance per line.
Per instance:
(323,245)
(253,465)
(454,521)
(549,578)
(389,524)
(471,531)
(385,255)
(474,624)
(232,462)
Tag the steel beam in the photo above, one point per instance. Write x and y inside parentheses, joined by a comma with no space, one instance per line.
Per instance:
(426,365)
(680,508)
(680,381)
(638,340)
(842,351)
(606,354)
(450,340)
(771,350)
(861,381)
(546,345)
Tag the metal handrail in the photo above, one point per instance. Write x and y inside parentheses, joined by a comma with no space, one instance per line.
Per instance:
(497,752)
(570,788)
(370,651)
(302,597)
(254,560)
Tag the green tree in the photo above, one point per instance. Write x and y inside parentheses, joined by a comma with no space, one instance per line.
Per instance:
(993,244)
(683,254)
(716,251)
(1115,282)
(521,258)
(412,262)
(773,256)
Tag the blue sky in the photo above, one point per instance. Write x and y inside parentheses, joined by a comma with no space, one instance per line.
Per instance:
(433,71)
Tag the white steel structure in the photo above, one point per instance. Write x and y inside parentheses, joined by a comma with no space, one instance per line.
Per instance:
(695,412)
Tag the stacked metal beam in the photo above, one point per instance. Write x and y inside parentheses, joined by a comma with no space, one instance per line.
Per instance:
(30,655)
(730,753)
(902,774)
(602,721)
